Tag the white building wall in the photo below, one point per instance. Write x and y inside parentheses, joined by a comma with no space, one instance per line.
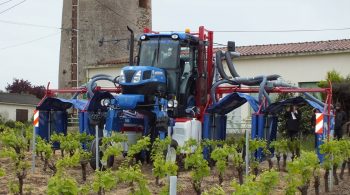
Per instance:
(109,70)
(307,68)
(8,111)
(294,69)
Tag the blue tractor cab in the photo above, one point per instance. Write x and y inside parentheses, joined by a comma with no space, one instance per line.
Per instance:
(166,67)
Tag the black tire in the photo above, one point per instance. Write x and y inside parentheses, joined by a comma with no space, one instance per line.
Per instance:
(110,160)
(174,144)
(143,159)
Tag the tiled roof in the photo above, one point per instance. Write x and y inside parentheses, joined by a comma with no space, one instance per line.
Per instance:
(289,48)
(16,98)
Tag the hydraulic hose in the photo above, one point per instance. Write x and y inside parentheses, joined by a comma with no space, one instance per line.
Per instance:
(280,83)
(91,85)
(75,95)
(230,65)
(219,65)
(218,83)
(262,89)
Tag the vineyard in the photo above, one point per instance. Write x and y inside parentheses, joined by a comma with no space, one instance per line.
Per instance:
(285,168)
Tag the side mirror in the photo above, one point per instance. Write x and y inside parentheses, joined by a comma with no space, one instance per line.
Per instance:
(136,59)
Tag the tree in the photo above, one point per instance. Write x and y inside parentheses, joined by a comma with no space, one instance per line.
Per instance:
(24,86)
(14,145)
(281,148)
(161,167)
(131,175)
(301,171)
(220,155)
(73,142)
(263,184)
(306,111)
(216,190)
(340,88)
(61,182)
(333,157)
(345,145)
(238,162)
(196,163)
(256,145)
(135,150)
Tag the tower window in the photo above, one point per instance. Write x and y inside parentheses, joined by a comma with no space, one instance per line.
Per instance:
(143,3)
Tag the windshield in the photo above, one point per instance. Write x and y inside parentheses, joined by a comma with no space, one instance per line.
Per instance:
(159,52)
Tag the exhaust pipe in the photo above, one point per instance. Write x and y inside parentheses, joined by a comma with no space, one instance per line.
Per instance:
(131,55)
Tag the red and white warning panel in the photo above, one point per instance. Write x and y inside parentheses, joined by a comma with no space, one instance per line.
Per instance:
(36,118)
(319,123)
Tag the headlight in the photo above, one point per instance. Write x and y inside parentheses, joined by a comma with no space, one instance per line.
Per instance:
(143,37)
(105,102)
(156,73)
(172,103)
(174,36)
(137,77)
(122,77)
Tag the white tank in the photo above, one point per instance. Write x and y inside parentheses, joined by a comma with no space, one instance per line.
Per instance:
(186,129)
(132,136)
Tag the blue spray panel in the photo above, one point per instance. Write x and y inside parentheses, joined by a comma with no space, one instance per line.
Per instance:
(254,126)
(81,122)
(261,126)
(321,138)
(258,130)
(273,128)
(42,130)
(273,131)
(207,124)
(260,135)
(319,142)
(208,120)
(50,123)
(88,127)
(113,121)
(220,127)
(60,121)
(162,135)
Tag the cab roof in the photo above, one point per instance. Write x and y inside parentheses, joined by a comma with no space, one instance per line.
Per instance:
(182,36)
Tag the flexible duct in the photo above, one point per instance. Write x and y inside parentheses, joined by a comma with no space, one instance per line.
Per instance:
(219,65)
(262,90)
(230,65)
(250,81)
(280,83)
(91,85)
(218,83)
(75,95)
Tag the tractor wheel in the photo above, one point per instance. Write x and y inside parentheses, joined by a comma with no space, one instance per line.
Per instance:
(142,157)
(110,160)
(174,144)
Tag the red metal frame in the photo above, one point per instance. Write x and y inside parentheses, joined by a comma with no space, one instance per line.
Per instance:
(205,70)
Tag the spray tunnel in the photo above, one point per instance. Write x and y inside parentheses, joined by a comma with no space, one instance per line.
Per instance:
(53,116)
(278,107)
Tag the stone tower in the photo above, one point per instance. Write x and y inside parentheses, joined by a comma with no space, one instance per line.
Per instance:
(97,20)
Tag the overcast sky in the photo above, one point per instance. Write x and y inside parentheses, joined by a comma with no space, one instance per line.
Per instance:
(32,53)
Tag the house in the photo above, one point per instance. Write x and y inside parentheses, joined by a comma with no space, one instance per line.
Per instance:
(17,107)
